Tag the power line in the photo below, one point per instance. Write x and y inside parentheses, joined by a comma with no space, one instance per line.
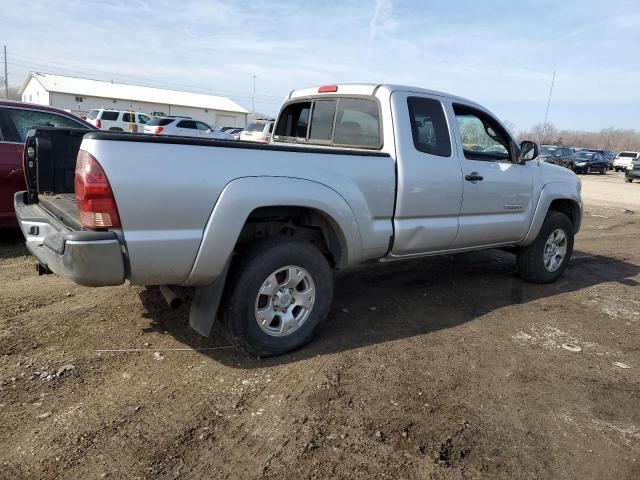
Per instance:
(544,125)
(6,74)
(80,69)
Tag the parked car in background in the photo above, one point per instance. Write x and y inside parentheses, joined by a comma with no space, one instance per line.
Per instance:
(379,172)
(633,172)
(562,156)
(234,132)
(118,120)
(184,127)
(624,160)
(16,119)
(589,162)
(608,155)
(258,131)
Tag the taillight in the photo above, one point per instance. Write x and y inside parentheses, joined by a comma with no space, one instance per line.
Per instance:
(266,138)
(96,204)
(158,130)
(98,123)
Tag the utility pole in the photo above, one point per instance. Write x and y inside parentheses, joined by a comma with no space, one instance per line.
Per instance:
(544,125)
(6,75)
(253,101)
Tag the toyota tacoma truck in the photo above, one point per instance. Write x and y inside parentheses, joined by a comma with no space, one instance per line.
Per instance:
(353,173)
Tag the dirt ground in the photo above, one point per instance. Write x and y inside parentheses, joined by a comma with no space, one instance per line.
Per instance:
(442,368)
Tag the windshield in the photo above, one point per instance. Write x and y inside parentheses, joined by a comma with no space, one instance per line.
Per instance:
(584,156)
(255,127)
(160,122)
(546,151)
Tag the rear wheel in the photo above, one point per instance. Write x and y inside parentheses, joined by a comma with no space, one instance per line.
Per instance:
(547,257)
(629,180)
(280,292)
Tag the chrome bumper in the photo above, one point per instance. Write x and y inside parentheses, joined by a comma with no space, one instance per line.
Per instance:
(93,259)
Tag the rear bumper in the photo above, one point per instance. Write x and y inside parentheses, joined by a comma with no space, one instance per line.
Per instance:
(93,259)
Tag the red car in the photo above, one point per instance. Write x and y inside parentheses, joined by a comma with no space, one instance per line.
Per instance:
(16,118)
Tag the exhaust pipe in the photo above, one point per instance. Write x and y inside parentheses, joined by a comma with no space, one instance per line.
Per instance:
(171,297)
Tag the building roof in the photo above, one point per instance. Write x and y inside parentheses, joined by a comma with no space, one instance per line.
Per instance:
(123,91)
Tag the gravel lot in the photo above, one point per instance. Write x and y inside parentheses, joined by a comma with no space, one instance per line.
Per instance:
(443,368)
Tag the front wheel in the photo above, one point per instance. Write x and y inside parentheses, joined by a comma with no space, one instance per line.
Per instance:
(547,257)
(280,291)
(588,170)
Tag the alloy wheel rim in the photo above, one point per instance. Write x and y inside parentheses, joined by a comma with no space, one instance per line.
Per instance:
(285,301)
(555,250)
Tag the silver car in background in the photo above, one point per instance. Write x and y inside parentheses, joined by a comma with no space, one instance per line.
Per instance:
(259,131)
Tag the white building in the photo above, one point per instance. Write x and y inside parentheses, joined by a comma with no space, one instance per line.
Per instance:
(80,95)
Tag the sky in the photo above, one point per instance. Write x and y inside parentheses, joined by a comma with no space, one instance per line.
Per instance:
(501,54)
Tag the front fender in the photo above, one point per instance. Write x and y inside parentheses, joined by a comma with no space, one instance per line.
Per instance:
(243,195)
(549,193)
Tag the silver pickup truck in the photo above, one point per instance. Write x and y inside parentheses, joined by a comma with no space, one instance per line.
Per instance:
(354,173)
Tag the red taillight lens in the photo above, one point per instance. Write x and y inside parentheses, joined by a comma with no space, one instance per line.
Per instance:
(98,123)
(266,138)
(328,89)
(158,130)
(96,205)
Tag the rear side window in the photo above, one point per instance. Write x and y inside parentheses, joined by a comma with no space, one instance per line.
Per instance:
(93,114)
(187,124)
(357,123)
(160,122)
(110,116)
(342,121)
(128,117)
(24,120)
(429,126)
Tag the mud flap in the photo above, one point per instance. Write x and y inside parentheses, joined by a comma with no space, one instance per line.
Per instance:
(206,300)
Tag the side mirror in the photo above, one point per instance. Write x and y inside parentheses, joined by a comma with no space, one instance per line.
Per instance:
(528,151)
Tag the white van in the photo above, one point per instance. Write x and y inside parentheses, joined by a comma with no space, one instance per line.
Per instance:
(118,120)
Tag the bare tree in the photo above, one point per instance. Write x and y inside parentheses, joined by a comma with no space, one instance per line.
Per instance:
(614,139)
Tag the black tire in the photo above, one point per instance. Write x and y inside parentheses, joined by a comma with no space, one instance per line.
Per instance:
(247,275)
(530,259)
(629,180)
(115,129)
(603,171)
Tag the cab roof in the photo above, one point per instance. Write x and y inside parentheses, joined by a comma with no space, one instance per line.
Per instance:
(370,89)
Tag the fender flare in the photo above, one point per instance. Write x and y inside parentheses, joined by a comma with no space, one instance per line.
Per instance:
(243,195)
(549,193)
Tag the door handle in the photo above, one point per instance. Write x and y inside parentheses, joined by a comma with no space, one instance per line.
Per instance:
(473,177)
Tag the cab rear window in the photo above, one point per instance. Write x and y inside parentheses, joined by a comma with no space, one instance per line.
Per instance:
(338,121)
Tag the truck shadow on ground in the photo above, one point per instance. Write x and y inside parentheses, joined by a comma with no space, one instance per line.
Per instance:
(382,303)
(12,243)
